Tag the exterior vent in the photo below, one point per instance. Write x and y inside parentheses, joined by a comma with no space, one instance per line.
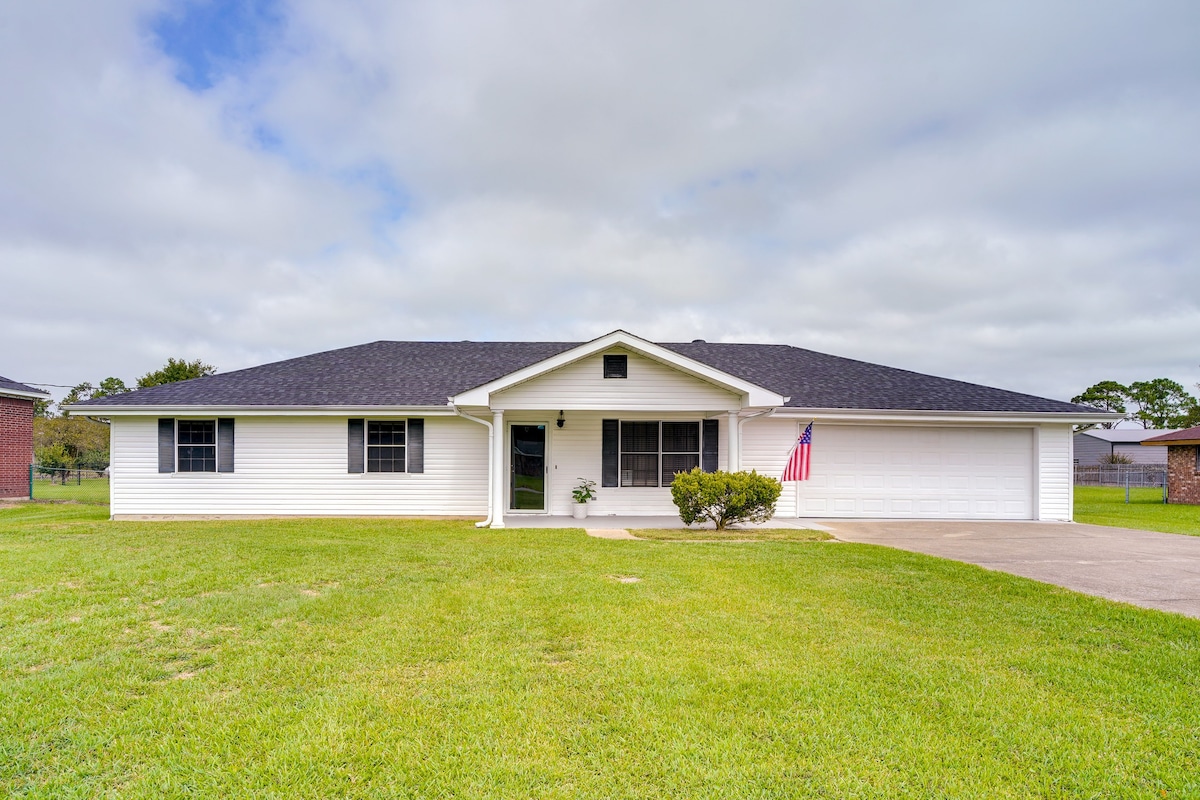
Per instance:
(616,366)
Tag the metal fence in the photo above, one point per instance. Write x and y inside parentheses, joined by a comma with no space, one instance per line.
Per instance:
(1134,475)
(80,485)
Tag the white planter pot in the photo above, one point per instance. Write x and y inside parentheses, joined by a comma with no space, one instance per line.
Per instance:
(579,511)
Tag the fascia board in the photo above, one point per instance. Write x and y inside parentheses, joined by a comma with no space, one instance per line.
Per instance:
(22,395)
(964,417)
(259,411)
(753,395)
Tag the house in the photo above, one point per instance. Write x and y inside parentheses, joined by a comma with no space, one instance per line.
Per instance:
(505,429)
(1093,447)
(1183,464)
(16,436)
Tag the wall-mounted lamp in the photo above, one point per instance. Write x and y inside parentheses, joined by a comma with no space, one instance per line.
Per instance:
(561,420)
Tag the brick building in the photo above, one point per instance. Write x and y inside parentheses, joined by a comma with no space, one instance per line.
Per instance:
(16,436)
(1183,464)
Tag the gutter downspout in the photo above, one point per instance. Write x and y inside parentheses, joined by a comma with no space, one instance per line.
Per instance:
(491,446)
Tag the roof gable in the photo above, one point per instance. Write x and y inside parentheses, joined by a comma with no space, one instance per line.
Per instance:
(753,394)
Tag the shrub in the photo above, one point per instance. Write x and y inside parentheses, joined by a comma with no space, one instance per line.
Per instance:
(726,498)
(1116,458)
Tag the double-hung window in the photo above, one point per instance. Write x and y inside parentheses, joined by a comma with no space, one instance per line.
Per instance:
(197,440)
(385,446)
(652,452)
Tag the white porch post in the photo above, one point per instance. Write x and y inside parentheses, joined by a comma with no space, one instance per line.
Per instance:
(733,461)
(497,470)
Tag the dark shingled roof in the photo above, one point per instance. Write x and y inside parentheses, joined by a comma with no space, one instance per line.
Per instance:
(13,386)
(427,373)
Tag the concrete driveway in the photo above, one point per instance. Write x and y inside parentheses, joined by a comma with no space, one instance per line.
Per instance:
(1153,570)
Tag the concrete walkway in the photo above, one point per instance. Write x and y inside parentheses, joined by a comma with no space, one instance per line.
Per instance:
(1152,570)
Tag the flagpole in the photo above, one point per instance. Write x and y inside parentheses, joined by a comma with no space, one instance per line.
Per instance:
(796,484)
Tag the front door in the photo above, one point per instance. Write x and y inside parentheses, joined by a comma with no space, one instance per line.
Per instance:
(527,468)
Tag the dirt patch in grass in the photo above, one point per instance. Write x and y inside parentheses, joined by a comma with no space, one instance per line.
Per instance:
(751,535)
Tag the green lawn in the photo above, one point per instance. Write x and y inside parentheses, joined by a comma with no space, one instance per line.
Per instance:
(357,658)
(1102,505)
(81,490)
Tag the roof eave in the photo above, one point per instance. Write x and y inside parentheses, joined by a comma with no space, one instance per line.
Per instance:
(23,395)
(901,415)
(256,410)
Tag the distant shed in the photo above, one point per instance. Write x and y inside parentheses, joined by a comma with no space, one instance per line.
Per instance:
(16,436)
(1092,446)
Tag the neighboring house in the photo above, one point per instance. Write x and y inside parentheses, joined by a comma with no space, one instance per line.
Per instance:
(1183,464)
(505,429)
(16,436)
(1094,445)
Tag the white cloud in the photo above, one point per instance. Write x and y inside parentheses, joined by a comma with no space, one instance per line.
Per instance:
(1003,193)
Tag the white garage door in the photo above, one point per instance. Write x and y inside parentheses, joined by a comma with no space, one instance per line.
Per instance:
(881,471)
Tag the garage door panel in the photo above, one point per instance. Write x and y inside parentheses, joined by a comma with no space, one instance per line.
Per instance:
(920,472)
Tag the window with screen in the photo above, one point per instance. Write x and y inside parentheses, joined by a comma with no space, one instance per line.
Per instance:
(196,440)
(652,452)
(385,446)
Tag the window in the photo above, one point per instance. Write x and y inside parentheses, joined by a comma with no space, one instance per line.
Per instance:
(197,442)
(652,452)
(1197,449)
(385,446)
(616,366)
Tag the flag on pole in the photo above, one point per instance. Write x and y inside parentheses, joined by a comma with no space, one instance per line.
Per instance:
(797,463)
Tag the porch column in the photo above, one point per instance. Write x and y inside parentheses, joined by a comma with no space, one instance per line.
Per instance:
(733,461)
(497,470)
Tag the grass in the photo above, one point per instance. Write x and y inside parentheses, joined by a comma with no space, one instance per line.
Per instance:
(371,659)
(1104,505)
(87,490)
(748,535)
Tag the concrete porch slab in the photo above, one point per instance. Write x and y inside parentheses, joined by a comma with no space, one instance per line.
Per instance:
(633,523)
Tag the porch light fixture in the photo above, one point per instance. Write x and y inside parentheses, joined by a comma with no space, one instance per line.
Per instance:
(561,421)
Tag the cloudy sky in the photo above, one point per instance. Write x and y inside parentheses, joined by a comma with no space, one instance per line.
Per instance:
(1004,192)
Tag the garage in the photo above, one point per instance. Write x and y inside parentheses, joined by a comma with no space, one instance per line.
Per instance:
(920,472)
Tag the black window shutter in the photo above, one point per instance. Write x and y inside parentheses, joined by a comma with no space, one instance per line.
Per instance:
(711,444)
(416,445)
(225,445)
(610,456)
(355,446)
(166,444)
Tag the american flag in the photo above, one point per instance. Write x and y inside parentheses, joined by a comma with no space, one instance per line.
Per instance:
(797,464)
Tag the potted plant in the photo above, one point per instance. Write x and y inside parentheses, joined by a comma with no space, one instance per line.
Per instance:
(582,493)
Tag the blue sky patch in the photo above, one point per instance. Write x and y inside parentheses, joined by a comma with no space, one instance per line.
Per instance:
(209,39)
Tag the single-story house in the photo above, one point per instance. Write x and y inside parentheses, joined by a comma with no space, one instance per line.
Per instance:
(506,429)
(16,436)
(1183,464)
(1093,446)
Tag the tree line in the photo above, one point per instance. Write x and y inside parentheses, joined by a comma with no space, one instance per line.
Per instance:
(1158,404)
(63,441)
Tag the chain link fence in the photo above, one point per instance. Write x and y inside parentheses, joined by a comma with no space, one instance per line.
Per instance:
(1124,476)
(79,485)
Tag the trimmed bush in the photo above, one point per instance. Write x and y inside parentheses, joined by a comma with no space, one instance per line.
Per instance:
(725,498)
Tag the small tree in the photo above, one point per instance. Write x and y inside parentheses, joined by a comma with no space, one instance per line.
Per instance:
(176,369)
(725,498)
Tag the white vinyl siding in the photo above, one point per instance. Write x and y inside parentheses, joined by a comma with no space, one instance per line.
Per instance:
(1055,472)
(650,385)
(900,471)
(297,465)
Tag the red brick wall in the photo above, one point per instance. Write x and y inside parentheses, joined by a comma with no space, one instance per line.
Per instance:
(16,446)
(1183,482)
